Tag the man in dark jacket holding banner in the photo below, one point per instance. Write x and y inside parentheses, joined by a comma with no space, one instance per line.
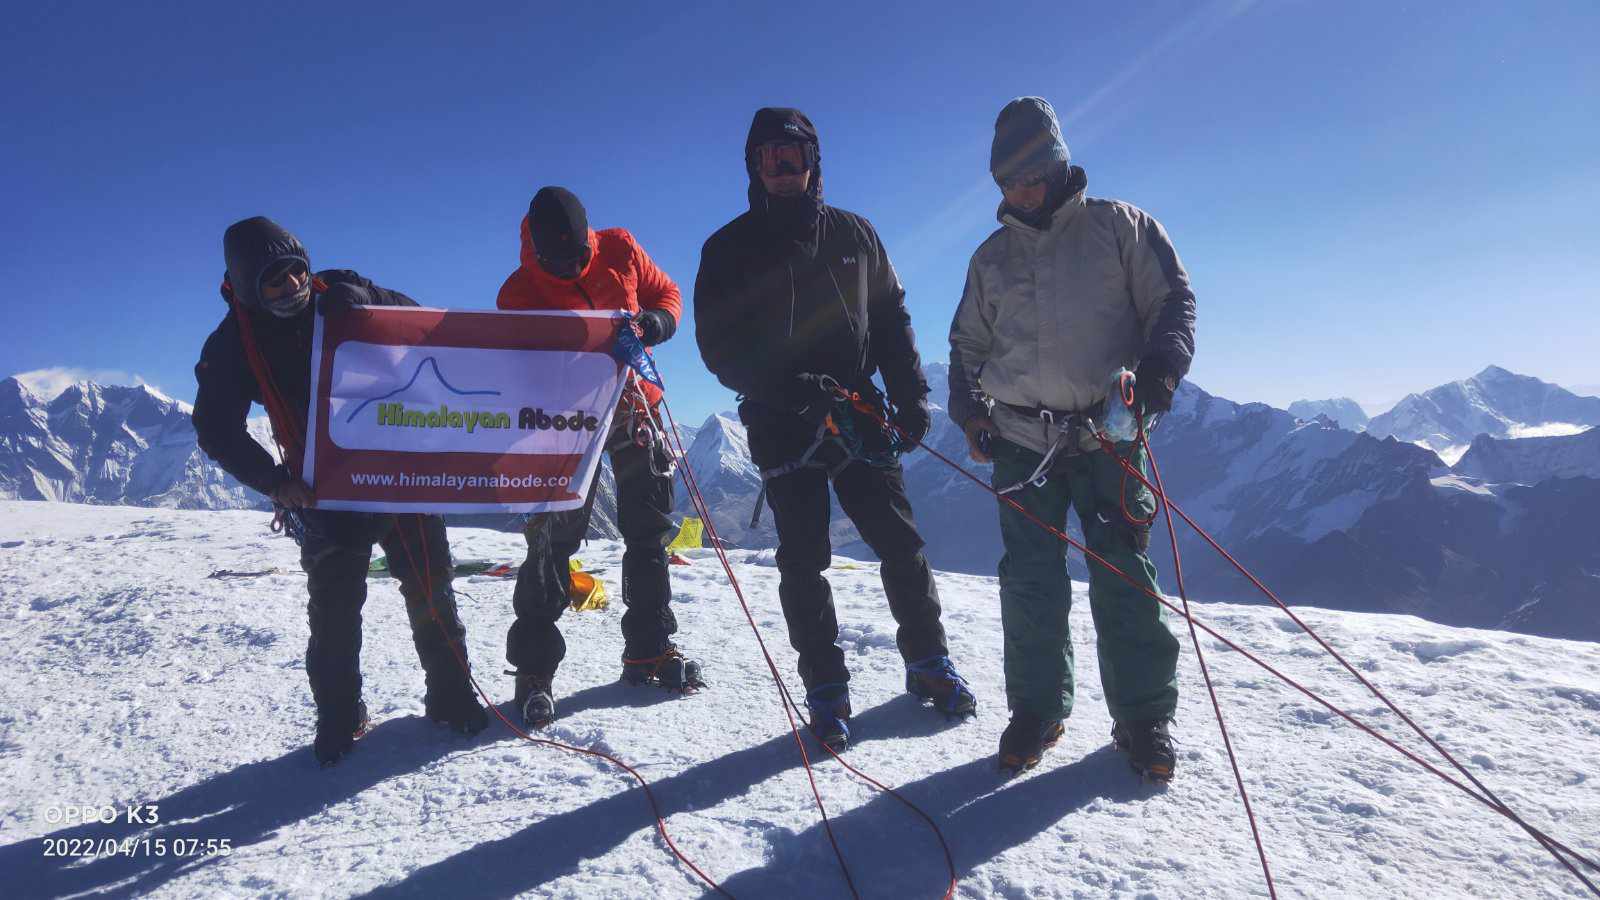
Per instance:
(796,306)
(261,353)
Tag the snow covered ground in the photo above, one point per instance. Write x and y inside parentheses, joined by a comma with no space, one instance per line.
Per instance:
(127,677)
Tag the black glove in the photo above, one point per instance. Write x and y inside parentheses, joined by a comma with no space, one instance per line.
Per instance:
(1154,382)
(655,326)
(914,419)
(339,297)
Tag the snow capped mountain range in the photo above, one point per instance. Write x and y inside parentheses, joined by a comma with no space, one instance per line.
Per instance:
(1328,515)
(1533,459)
(1495,402)
(126,445)
(720,458)
(1346,413)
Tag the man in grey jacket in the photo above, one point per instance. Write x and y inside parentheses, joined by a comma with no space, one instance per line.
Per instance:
(1065,292)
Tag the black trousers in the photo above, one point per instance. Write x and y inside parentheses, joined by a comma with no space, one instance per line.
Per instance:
(875,500)
(644,515)
(335,553)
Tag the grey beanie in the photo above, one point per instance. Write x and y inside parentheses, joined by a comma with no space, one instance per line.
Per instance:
(1027,136)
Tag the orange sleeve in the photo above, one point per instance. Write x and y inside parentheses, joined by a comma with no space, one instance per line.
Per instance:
(657,290)
(510,296)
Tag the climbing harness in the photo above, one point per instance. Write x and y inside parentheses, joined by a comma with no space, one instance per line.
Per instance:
(644,429)
(841,428)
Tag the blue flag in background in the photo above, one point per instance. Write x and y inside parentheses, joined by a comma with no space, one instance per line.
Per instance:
(630,350)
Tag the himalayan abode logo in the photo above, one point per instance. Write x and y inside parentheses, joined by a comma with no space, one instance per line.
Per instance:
(398,415)
(431,399)
(434,410)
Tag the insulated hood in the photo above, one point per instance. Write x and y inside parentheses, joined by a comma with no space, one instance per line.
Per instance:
(778,123)
(249,247)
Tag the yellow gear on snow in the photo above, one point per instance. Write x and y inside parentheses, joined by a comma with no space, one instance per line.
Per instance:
(587,592)
(688,537)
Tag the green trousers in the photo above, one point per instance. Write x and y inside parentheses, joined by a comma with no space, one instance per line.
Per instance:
(1138,654)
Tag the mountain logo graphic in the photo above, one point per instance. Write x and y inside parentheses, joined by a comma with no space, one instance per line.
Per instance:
(427,363)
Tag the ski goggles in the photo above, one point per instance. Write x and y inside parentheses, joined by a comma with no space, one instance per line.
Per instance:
(776,158)
(278,274)
(568,267)
(1026,179)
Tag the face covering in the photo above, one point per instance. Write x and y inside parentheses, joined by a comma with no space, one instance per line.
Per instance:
(287,306)
(559,226)
(278,275)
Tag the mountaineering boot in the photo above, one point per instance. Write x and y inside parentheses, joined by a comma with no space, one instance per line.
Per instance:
(1149,748)
(460,711)
(670,670)
(534,700)
(830,714)
(1024,741)
(935,679)
(337,734)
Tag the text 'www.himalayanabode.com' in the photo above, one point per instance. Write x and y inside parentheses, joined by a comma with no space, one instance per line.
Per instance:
(458,482)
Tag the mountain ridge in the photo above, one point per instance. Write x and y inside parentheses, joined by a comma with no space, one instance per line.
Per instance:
(1495,402)
(1304,501)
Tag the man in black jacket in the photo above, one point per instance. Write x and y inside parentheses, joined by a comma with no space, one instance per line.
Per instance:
(793,300)
(261,352)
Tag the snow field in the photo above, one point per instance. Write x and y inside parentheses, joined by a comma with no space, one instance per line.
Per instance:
(128,677)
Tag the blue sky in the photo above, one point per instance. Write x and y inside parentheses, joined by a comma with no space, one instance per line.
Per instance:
(1372,198)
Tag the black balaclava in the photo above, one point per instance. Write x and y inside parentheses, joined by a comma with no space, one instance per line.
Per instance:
(560,230)
(251,247)
(793,218)
(1027,137)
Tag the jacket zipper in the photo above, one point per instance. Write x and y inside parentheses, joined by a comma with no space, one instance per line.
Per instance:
(585,294)
(790,267)
(843,306)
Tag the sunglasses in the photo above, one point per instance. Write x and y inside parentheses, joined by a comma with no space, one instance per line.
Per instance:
(784,158)
(279,274)
(1025,180)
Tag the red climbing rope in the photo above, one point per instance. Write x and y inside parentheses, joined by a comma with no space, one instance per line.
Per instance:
(1549,843)
(790,708)
(461,660)
(1199,655)
(1554,847)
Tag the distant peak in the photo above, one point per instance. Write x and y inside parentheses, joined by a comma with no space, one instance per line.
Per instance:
(77,390)
(15,390)
(720,421)
(1496,372)
(153,391)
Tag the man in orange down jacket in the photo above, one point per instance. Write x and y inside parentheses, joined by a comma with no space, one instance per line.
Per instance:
(568,265)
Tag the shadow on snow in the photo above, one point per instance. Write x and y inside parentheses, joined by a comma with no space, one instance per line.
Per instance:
(252,802)
(890,850)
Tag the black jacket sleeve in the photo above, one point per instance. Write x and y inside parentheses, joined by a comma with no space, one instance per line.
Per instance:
(1162,295)
(380,296)
(893,342)
(222,406)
